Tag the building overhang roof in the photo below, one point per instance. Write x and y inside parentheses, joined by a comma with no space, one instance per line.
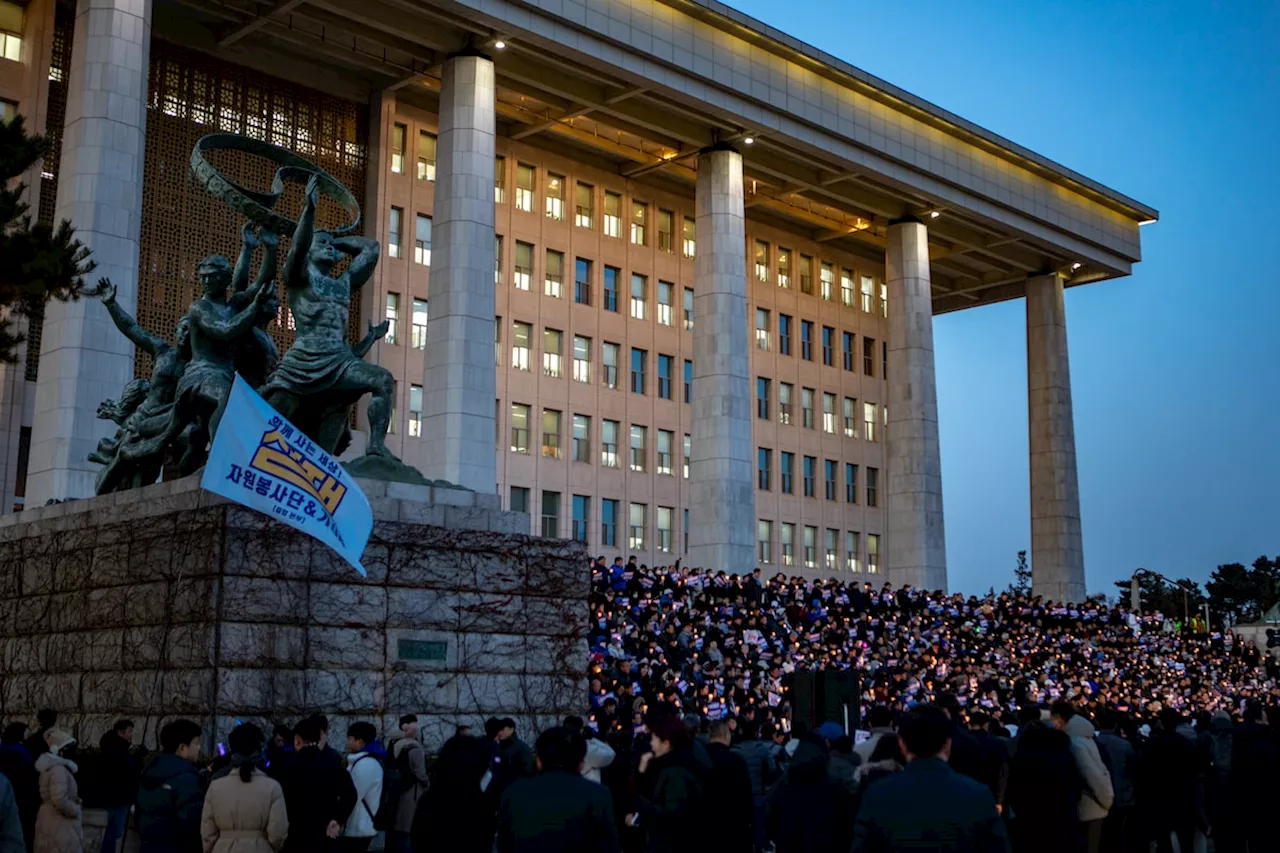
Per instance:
(641,86)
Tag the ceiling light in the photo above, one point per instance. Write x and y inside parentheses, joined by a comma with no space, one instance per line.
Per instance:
(1075,266)
(499,44)
(749,140)
(933,214)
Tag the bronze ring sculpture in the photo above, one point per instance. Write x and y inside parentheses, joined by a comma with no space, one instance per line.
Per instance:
(259,206)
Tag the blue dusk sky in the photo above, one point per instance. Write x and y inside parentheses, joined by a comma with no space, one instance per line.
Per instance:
(1177,410)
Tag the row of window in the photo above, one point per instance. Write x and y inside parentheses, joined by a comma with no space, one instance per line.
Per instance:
(768,261)
(637,457)
(827,349)
(637,532)
(809,474)
(844,420)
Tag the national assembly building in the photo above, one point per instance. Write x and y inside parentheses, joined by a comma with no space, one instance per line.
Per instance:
(661,276)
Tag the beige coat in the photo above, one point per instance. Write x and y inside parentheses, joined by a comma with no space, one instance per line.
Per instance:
(58,826)
(244,817)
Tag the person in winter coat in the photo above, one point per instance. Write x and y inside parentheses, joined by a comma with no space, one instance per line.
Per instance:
(762,770)
(1098,794)
(1043,796)
(880,718)
(844,763)
(599,754)
(558,809)
(671,814)
(728,808)
(12,839)
(886,760)
(366,776)
(1120,830)
(118,778)
(928,806)
(244,811)
(1254,786)
(170,793)
(808,811)
(1169,784)
(318,793)
(58,825)
(410,758)
(20,768)
(457,814)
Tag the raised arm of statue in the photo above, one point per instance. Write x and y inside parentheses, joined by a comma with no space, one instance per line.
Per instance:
(237,325)
(375,334)
(365,257)
(128,326)
(248,242)
(295,265)
(270,248)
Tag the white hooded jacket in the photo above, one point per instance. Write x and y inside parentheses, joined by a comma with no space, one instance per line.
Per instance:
(366,775)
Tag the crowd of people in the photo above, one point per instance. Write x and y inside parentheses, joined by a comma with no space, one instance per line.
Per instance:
(987,724)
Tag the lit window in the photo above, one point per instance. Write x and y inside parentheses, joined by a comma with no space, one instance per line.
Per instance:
(415,410)
(788,544)
(499,180)
(551,434)
(829,413)
(582,281)
(637,457)
(393,319)
(806,274)
(665,441)
(688,454)
(394,224)
(584,206)
(665,310)
(850,418)
(581,359)
(609,443)
(762,260)
(422,241)
(555,197)
(868,288)
(851,551)
(784,268)
(810,547)
(611,354)
(521,339)
(523,278)
(612,214)
(552,357)
(666,227)
(397,147)
(827,282)
(582,439)
(806,408)
(426,156)
(764,537)
(639,296)
(639,223)
(884,300)
(873,553)
(497,259)
(419,324)
(664,529)
(519,428)
(762,329)
(785,390)
(833,550)
(636,529)
(846,287)
(524,187)
(689,244)
(553,280)
(688,309)
(869,421)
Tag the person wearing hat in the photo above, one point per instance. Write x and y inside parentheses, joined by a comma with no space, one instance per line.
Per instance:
(58,825)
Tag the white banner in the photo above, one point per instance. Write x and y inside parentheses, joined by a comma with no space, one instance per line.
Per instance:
(262,461)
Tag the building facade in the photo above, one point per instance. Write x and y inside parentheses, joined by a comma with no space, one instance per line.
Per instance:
(661,276)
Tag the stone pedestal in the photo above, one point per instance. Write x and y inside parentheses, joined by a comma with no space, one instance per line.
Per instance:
(169,601)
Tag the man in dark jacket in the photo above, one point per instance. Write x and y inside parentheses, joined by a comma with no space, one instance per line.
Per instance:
(318,793)
(1253,785)
(11,838)
(1169,783)
(117,778)
(19,767)
(557,809)
(171,794)
(1119,830)
(808,811)
(728,804)
(47,719)
(1044,792)
(928,805)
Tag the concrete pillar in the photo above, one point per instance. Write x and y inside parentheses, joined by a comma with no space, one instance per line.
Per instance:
(721,491)
(1057,548)
(916,544)
(83,358)
(459,381)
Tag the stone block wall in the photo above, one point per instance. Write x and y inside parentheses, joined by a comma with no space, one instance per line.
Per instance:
(169,601)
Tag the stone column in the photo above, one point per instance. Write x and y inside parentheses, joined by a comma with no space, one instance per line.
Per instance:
(721,492)
(916,537)
(459,383)
(83,358)
(1057,548)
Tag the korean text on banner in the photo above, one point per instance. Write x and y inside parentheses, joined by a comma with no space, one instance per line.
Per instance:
(262,461)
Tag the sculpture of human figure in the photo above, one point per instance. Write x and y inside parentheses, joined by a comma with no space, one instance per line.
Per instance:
(256,354)
(216,331)
(134,457)
(319,378)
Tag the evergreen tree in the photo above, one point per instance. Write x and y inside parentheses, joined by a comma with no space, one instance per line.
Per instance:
(38,260)
(1243,593)
(1021,576)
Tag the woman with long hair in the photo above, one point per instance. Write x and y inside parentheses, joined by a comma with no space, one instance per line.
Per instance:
(458,814)
(244,811)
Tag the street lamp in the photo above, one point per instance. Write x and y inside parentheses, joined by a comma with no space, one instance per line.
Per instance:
(1135,601)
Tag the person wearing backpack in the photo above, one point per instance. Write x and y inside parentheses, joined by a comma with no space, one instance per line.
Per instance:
(366,775)
(171,793)
(410,765)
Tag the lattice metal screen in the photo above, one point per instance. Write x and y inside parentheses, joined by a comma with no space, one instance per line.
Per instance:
(190,95)
(64,24)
